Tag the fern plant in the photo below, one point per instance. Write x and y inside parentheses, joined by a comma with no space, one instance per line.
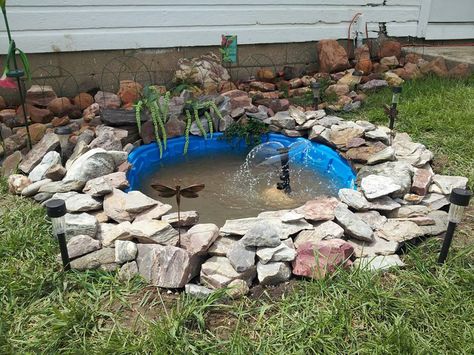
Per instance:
(193,111)
(158,110)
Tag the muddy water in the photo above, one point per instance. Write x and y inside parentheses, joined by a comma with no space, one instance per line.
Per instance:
(236,191)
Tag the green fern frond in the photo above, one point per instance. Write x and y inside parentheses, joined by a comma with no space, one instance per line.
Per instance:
(138,112)
(25,62)
(210,123)
(156,111)
(199,124)
(155,118)
(186,131)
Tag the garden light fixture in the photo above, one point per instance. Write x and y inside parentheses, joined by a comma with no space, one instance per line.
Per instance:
(316,88)
(63,134)
(56,210)
(396,91)
(459,200)
(357,75)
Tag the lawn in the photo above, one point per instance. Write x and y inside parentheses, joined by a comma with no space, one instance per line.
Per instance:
(423,308)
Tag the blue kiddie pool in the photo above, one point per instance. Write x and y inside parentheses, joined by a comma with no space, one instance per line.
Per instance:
(321,158)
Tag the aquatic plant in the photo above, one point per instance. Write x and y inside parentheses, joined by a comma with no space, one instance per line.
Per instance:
(251,131)
(157,106)
(193,112)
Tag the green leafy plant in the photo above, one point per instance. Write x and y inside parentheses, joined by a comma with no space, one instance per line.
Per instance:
(193,111)
(158,110)
(251,131)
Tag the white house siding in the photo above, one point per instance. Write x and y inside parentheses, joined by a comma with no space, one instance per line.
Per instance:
(80,25)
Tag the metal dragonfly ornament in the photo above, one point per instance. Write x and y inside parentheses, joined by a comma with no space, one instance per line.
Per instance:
(178,191)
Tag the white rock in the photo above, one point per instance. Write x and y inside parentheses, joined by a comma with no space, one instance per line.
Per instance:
(322,231)
(280,253)
(122,207)
(379,246)
(444,184)
(381,262)
(82,203)
(80,224)
(353,199)
(50,159)
(218,272)
(199,238)
(125,251)
(33,189)
(353,225)
(197,291)
(400,231)
(375,186)
(222,245)
(273,273)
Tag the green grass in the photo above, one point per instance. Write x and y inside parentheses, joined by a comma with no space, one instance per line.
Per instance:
(423,308)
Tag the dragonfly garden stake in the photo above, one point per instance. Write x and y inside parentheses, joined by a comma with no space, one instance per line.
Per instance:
(188,192)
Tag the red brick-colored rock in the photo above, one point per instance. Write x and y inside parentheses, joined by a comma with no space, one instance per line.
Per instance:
(37,115)
(129,92)
(421,181)
(83,100)
(60,121)
(322,259)
(332,56)
(266,74)
(61,106)
(460,71)
(262,86)
(437,66)
(390,48)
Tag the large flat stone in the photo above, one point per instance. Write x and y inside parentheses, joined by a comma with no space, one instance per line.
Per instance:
(379,246)
(353,226)
(319,209)
(381,262)
(375,186)
(80,224)
(218,272)
(94,260)
(322,231)
(48,143)
(121,206)
(243,225)
(158,231)
(400,231)
(273,273)
(241,257)
(199,238)
(92,164)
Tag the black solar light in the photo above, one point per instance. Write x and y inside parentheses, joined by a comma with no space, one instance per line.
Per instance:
(459,200)
(316,88)
(63,134)
(393,113)
(56,210)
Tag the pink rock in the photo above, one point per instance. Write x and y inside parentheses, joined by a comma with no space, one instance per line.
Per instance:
(319,209)
(317,261)
(421,181)
(332,56)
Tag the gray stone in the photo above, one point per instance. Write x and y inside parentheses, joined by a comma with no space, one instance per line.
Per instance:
(80,149)
(241,257)
(107,233)
(187,218)
(366,125)
(322,231)
(97,187)
(10,163)
(218,272)
(125,251)
(280,253)
(263,234)
(82,203)
(443,184)
(122,207)
(409,211)
(197,291)
(319,133)
(400,231)
(108,138)
(378,134)
(159,232)
(81,245)
(154,213)
(199,238)
(387,154)
(379,246)
(42,197)
(342,134)
(319,209)
(373,85)
(39,171)
(373,218)
(434,201)
(399,171)
(381,262)
(237,289)
(62,186)
(384,203)
(440,225)
(353,225)
(298,115)
(48,143)
(375,186)
(166,266)
(33,189)
(243,225)
(222,245)
(290,216)
(128,271)
(80,224)
(354,199)
(55,172)
(94,260)
(273,273)
(329,121)
(96,162)
(284,120)
(414,153)
(315,115)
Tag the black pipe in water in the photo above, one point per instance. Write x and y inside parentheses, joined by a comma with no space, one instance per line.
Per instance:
(285,171)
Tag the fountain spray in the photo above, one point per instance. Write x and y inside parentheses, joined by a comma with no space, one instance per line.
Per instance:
(285,171)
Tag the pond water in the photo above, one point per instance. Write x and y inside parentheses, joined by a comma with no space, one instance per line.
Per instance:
(235,187)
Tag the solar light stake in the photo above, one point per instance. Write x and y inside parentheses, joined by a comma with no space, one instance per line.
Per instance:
(393,113)
(285,171)
(316,88)
(63,134)
(56,210)
(459,200)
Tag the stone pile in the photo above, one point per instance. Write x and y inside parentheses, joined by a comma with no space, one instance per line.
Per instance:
(399,197)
